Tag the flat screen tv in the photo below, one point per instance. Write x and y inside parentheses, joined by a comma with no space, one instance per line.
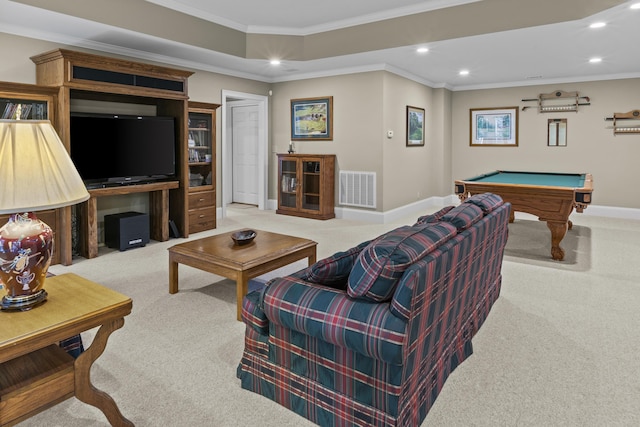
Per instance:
(113,150)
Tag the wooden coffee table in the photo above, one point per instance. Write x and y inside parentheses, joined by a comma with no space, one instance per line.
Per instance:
(35,373)
(220,255)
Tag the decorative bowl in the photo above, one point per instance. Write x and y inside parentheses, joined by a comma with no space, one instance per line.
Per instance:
(243,237)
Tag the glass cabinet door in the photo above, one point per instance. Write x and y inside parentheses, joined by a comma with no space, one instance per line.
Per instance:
(289,183)
(200,150)
(311,185)
(306,185)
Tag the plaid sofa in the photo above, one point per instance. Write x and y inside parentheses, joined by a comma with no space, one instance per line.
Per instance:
(368,336)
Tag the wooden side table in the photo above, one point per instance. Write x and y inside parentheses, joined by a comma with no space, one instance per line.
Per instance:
(35,373)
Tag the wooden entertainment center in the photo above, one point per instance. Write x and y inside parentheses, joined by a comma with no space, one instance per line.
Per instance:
(66,78)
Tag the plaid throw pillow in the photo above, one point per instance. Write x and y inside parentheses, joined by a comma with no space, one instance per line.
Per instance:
(381,264)
(334,270)
(434,217)
(485,201)
(463,216)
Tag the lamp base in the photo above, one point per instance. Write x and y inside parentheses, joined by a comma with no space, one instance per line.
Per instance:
(26,246)
(23,302)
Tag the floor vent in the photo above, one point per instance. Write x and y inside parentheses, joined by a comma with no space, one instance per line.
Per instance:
(358,189)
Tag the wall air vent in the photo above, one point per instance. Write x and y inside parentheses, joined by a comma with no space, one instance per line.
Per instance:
(358,189)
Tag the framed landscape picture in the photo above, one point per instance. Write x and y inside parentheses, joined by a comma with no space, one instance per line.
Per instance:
(415,126)
(494,126)
(312,119)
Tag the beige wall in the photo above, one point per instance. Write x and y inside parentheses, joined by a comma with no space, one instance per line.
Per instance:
(591,147)
(366,105)
(16,51)
(357,122)
(413,173)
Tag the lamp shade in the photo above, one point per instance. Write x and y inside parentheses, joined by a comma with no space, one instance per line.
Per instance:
(36,171)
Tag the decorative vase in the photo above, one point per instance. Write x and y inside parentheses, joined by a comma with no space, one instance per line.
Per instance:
(26,247)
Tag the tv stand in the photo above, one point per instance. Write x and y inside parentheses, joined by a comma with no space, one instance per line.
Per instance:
(80,77)
(158,212)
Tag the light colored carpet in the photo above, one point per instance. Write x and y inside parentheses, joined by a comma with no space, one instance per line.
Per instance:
(560,347)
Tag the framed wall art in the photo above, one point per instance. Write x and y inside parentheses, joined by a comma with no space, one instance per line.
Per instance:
(415,126)
(494,127)
(312,119)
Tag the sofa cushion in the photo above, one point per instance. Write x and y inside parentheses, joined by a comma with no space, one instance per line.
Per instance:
(463,216)
(434,217)
(381,264)
(485,201)
(334,270)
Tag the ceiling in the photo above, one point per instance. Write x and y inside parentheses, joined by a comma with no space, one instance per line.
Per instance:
(500,42)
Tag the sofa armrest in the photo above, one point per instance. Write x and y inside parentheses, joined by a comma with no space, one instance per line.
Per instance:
(331,315)
(252,313)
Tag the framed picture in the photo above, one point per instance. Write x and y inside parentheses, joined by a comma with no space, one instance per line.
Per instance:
(312,119)
(415,126)
(494,127)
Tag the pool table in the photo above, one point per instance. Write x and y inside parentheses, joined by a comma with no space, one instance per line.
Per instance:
(549,196)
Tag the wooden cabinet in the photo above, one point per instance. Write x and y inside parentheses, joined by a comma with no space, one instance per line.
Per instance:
(201,154)
(93,83)
(306,185)
(33,102)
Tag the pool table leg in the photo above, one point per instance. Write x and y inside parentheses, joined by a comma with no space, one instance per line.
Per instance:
(558,230)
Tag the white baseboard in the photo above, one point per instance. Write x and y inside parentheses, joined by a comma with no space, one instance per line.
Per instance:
(418,208)
(612,212)
(426,205)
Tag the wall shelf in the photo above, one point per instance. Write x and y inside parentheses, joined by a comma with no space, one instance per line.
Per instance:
(558,101)
(629,123)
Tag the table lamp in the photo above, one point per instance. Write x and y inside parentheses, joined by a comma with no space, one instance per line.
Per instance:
(36,173)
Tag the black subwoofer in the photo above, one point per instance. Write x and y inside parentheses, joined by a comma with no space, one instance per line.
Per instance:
(126,230)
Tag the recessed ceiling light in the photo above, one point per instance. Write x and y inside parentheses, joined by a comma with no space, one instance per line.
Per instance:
(464,72)
(598,25)
(275,62)
(595,60)
(422,50)
(635,6)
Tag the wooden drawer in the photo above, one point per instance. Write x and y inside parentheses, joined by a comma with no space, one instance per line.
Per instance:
(202,199)
(202,219)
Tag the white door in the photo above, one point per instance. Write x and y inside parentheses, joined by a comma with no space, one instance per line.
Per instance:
(245,154)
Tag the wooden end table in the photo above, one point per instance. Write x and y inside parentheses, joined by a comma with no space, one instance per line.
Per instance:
(35,373)
(220,255)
